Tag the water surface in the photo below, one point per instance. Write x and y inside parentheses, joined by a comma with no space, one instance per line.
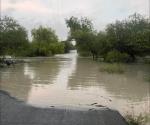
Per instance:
(68,80)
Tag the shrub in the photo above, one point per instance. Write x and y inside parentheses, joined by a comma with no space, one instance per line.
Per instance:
(112,68)
(116,56)
(136,120)
(147,79)
(38,49)
(147,60)
(56,48)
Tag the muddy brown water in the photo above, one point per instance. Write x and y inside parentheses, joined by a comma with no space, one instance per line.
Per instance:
(70,80)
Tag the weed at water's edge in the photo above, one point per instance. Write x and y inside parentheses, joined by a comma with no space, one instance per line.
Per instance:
(147,78)
(137,120)
(112,68)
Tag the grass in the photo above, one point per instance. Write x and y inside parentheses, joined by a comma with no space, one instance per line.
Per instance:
(112,68)
(147,78)
(136,120)
(147,61)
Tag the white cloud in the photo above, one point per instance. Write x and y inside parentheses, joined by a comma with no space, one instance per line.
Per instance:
(27,6)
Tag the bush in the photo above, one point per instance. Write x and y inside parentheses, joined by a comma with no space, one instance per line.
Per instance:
(147,78)
(147,60)
(116,56)
(56,48)
(136,120)
(38,49)
(68,46)
(112,68)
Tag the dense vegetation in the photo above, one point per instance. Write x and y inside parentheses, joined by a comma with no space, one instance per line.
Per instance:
(14,40)
(45,42)
(137,120)
(112,68)
(121,41)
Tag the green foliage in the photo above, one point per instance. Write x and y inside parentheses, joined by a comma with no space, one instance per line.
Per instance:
(146,60)
(122,41)
(102,45)
(82,31)
(13,38)
(68,46)
(136,120)
(45,49)
(38,49)
(76,25)
(116,56)
(128,38)
(56,48)
(45,42)
(147,78)
(112,68)
(44,34)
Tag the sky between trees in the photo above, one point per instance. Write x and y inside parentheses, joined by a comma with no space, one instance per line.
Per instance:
(52,13)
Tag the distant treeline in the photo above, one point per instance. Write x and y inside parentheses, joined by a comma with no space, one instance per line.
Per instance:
(121,41)
(14,40)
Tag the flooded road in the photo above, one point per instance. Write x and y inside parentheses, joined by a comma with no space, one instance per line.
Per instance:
(70,80)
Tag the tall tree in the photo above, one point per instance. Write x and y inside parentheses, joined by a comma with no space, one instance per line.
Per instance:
(13,36)
(44,34)
(45,42)
(130,36)
(82,31)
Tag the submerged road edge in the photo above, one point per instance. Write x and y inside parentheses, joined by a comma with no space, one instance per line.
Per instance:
(15,112)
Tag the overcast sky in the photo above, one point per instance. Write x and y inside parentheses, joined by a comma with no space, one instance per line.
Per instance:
(32,13)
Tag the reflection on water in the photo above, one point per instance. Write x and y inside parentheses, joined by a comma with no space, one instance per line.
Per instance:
(69,80)
(29,72)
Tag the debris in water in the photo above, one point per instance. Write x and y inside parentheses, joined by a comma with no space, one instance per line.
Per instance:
(52,106)
(99,106)
(94,103)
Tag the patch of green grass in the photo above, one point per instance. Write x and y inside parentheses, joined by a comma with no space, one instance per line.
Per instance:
(136,120)
(147,61)
(112,68)
(147,78)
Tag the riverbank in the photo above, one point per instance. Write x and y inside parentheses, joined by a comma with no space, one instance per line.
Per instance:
(16,112)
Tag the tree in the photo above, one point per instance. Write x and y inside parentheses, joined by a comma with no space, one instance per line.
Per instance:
(44,34)
(102,45)
(75,25)
(130,36)
(13,38)
(138,29)
(45,42)
(123,40)
(68,46)
(82,31)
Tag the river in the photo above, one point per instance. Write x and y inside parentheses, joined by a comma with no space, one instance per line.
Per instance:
(69,80)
